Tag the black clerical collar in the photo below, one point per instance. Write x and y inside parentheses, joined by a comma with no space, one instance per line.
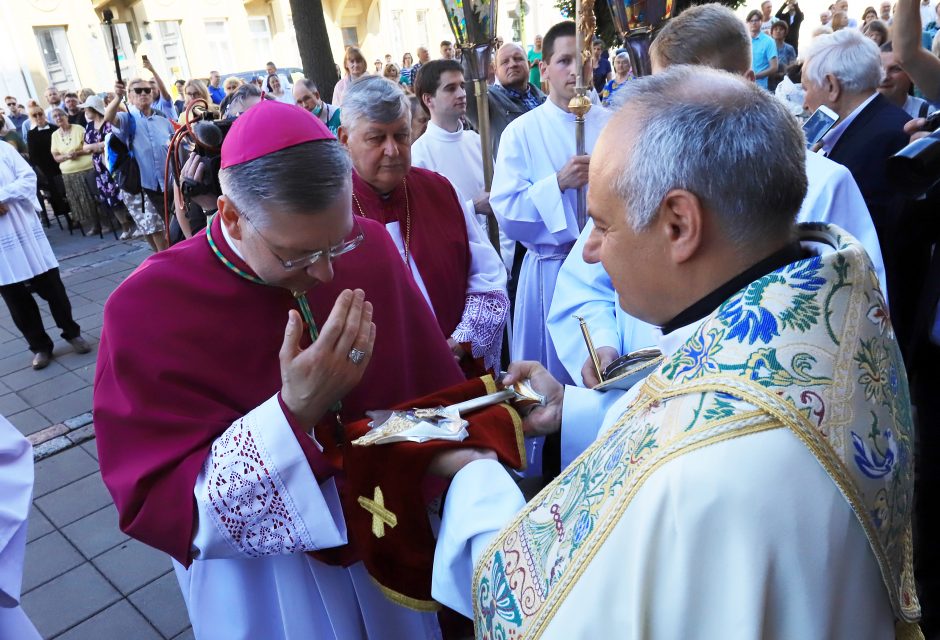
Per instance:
(791,253)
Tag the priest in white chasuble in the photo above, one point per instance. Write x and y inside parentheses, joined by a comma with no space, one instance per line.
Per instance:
(710,35)
(757,484)
(453,263)
(535,191)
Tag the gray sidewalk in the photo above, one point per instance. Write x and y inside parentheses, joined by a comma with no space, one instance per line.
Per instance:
(83,578)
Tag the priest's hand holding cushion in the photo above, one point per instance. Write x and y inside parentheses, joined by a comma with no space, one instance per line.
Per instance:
(315,378)
(543,420)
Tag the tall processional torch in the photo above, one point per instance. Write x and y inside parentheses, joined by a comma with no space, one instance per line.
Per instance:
(474,25)
(580,104)
(638,22)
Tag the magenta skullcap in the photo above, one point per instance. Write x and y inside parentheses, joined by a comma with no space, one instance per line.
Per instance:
(270,126)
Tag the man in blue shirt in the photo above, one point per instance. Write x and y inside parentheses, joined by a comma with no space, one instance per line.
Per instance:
(151,137)
(216,91)
(763,50)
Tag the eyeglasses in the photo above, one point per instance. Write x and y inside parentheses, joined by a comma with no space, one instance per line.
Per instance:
(755,20)
(11,104)
(140,90)
(353,240)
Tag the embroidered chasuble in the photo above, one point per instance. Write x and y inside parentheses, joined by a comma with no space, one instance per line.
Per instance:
(806,350)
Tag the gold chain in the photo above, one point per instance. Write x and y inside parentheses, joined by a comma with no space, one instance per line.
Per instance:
(404,182)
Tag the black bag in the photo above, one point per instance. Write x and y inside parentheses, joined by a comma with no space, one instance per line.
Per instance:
(120,160)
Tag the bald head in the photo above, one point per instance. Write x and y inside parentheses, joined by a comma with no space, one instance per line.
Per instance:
(707,34)
(512,66)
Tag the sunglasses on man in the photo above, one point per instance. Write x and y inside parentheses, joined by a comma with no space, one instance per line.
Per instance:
(140,90)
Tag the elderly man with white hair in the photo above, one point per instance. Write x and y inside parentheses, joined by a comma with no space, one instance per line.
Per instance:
(843,71)
(758,483)
(453,263)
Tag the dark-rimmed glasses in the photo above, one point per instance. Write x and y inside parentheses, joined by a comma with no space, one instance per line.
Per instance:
(140,90)
(353,240)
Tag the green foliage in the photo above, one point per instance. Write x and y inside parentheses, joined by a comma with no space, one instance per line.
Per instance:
(605,24)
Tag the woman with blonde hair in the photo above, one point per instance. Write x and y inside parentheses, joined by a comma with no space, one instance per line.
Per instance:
(230,85)
(196,90)
(354,63)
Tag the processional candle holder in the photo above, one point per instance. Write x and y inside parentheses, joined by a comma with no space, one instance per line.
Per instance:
(638,22)
(473,23)
(580,104)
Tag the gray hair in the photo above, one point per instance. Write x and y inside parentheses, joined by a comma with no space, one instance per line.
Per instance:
(851,57)
(284,181)
(724,139)
(237,104)
(373,99)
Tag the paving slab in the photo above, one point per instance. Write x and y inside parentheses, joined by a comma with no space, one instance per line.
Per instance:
(63,468)
(96,533)
(11,403)
(46,558)
(52,389)
(120,620)
(131,565)
(74,501)
(29,421)
(162,604)
(67,406)
(186,635)
(38,526)
(26,376)
(71,598)
(91,448)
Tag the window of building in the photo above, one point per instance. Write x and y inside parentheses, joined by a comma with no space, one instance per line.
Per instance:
(260,34)
(421,18)
(217,42)
(350,37)
(57,57)
(125,51)
(171,43)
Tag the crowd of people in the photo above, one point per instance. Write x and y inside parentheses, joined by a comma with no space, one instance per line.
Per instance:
(755,469)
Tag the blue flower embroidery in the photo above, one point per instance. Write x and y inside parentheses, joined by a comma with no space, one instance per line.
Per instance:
(873,463)
(581,528)
(750,312)
(496,598)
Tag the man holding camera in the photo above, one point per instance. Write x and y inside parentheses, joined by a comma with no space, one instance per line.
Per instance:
(147,132)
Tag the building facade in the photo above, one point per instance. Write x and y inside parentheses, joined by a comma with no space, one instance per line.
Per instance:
(66,43)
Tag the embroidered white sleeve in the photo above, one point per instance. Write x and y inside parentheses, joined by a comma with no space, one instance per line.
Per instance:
(484,316)
(257,496)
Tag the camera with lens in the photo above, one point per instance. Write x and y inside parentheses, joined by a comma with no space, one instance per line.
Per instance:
(203,137)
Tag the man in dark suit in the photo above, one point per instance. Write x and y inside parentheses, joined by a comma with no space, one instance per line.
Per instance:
(842,71)
(790,13)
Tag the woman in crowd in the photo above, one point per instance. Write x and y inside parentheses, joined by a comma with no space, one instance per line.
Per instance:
(392,73)
(407,62)
(107,190)
(868,16)
(39,144)
(274,89)
(600,62)
(877,31)
(623,71)
(355,65)
(535,58)
(195,90)
(68,149)
(231,84)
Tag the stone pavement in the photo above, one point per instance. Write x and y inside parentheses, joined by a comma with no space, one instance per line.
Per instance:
(83,578)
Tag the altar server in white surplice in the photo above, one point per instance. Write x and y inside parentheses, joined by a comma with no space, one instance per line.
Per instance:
(535,191)
(701,35)
(16,489)
(759,483)
(449,149)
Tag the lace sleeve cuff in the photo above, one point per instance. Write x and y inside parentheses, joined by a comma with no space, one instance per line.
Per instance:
(257,494)
(484,316)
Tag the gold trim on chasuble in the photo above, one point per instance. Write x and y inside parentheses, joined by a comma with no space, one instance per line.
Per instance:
(808,347)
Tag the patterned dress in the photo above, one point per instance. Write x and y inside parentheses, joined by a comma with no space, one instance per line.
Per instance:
(108,192)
